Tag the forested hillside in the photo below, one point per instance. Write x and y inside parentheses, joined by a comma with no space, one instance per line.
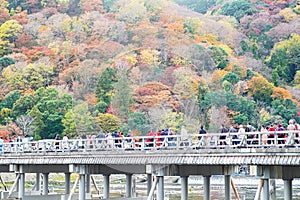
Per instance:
(74,66)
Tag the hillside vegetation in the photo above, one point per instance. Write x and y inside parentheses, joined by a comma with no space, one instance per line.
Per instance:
(75,66)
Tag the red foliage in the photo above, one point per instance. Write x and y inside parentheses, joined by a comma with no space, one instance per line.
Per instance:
(143,91)
(3,132)
(4,15)
(24,40)
(38,52)
(256,30)
(168,77)
(21,18)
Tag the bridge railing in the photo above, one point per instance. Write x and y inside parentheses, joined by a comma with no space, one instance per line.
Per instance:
(203,141)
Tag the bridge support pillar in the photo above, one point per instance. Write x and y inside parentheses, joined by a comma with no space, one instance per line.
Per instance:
(149,183)
(160,189)
(106,186)
(184,187)
(88,183)
(288,189)
(227,187)
(272,189)
(67,183)
(21,186)
(266,188)
(206,184)
(45,183)
(128,185)
(37,182)
(82,187)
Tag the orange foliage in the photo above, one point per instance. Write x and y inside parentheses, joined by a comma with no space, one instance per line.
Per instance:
(216,76)
(176,26)
(154,94)
(38,52)
(91,99)
(281,93)
(21,18)
(3,132)
(29,91)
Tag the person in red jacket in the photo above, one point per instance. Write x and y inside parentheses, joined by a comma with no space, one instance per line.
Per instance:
(150,139)
(271,134)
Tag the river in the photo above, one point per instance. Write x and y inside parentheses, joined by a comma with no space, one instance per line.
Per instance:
(246,187)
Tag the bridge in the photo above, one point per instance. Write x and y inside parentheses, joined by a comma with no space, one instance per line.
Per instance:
(156,156)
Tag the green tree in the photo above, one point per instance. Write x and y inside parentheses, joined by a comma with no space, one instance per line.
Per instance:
(220,57)
(105,85)
(122,97)
(6,61)
(238,9)
(53,108)
(285,108)
(84,121)
(285,58)
(231,77)
(107,4)
(23,105)
(9,100)
(200,6)
(69,124)
(37,122)
(137,122)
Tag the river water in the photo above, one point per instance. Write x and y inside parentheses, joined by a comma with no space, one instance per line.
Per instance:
(246,187)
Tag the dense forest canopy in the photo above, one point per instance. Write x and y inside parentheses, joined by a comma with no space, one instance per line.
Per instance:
(84,66)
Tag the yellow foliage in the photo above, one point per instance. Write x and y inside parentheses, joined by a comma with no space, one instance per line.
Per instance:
(177,60)
(260,86)
(187,83)
(297,77)
(42,29)
(218,74)
(285,44)
(264,116)
(212,39)
(132,60)
(226,48)
(229,67)
(149,56)
(54,47)
(281,93)
(195,24)
(297,9)
(288,14)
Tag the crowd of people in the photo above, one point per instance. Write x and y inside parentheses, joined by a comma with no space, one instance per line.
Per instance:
(247,134)
(242,134)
